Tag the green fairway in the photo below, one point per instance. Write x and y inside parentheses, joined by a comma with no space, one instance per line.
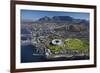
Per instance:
(71,44)
(55,48)
(76,44)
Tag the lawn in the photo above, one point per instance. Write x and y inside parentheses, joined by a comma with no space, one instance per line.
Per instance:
(71,44)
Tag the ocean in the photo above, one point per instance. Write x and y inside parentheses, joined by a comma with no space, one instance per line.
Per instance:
(27,56)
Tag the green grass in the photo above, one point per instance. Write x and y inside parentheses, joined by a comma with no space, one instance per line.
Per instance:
(76,44)
(71,44)
(55,48)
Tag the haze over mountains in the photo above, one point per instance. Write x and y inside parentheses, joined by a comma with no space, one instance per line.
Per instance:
(56,19)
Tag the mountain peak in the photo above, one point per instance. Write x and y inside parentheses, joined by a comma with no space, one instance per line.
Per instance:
(62,18)
(45,18)
(56,18)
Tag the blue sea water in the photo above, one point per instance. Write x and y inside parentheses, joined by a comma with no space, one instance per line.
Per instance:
(27,52)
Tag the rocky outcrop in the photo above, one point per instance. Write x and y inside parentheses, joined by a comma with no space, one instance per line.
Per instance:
(62,18)
(44,19)
(77,27)
(55,19)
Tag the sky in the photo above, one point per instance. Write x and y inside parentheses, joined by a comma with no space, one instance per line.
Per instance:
(33,15)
